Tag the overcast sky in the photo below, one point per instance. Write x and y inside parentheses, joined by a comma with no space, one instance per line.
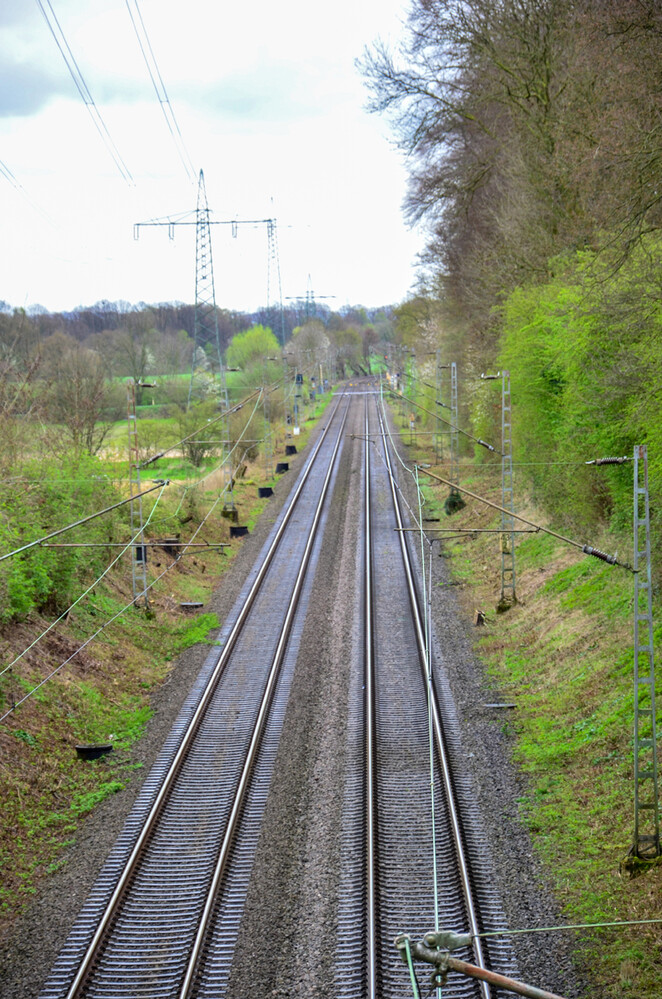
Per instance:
(270,106)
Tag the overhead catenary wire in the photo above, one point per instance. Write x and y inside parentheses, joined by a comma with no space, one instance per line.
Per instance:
(159,87)
(586,549)
(180,554)
(477,440)
(193,485)
(84,520)
(68,610)
(82,87)
(191,436)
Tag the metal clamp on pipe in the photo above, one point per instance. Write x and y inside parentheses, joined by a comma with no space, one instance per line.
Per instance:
(435,949)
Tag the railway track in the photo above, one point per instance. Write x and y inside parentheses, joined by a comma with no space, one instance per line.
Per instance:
(402,819)
(147,919)
(166,913)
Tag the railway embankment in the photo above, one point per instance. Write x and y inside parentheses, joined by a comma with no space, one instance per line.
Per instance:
(556,691)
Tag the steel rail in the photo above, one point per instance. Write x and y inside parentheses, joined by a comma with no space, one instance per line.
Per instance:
(189,734)
(369,673)
(260,723)
(442,754)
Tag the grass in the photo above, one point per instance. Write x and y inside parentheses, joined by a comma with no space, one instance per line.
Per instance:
(564,655)
(103,693)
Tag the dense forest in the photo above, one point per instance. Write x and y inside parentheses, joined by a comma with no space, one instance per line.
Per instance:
(533,134)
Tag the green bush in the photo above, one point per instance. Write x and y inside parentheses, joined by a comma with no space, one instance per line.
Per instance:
(584,351)
(50,496)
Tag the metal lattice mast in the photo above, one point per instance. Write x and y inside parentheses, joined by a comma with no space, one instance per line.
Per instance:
(646,841)
(438,426)
(454,474)
(273,271)
(402,378)
(206,324)
(138,549)
(205,328)
(508,596)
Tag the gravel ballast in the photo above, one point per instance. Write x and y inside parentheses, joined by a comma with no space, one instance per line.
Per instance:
(291,905)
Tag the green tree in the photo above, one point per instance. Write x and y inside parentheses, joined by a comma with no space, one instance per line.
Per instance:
(256,344)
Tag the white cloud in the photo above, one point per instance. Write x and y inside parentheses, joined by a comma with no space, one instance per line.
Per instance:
(269,103)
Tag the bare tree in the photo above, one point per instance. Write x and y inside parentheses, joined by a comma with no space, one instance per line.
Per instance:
(76,397)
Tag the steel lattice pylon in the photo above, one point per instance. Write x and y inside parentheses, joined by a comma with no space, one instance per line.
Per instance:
(646,842)
(508,596)
(206,324)
(206,318)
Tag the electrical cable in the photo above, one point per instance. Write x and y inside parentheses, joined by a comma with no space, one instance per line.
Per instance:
(87,641)
(427,604)
(407,470)
(132,602)
(412,972)
(586,549)
(84,91)
(226,412)
(193,485)
(159,88)
(9,176)
(105,572)
(571,926)
(84,520)
(459,430)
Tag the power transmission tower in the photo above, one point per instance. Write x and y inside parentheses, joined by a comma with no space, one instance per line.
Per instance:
(309,300)
(205,328)
(206,315)
(646,842)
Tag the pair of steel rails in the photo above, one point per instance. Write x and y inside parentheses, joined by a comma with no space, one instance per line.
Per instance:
(84,969)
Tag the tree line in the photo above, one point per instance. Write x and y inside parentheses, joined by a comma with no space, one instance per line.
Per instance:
(61,374)
(533,133)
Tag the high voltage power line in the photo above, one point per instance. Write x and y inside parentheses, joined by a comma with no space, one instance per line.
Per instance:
(74,69)
(8,175)
(159,86)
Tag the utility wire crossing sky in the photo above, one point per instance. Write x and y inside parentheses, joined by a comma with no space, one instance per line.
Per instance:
(109,109)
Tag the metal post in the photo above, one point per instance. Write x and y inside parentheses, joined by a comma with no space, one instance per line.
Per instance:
(298,380)
(508,597)
(413,379)
(138,551)
(454,474)
(437,401)
(646,842)
(268,443)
